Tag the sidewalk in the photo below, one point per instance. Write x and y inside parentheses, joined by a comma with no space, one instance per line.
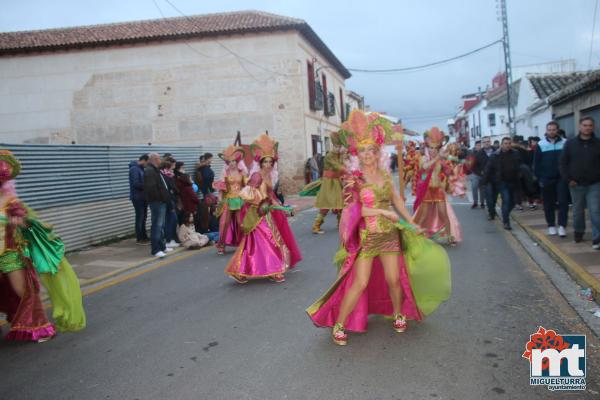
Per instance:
(579,259)
(102,262)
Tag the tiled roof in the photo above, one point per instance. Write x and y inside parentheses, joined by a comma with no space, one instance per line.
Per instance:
(590,82)
(498,99)
(546,85)
(197,26)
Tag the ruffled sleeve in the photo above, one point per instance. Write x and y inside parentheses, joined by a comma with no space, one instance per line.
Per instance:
(252,193)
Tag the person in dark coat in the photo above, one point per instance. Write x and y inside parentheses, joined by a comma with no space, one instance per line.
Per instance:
(157,196)
(189,200)
(138,198)
(580,167)
(167,170)
(205,177)
(503,173)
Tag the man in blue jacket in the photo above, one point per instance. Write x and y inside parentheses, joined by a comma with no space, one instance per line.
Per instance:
(138,198)
(555,190)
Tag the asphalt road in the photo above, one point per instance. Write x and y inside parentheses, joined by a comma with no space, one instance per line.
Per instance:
(186,331)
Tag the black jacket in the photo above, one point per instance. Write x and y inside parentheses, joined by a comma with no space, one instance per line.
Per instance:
(493,170)
(481,160)
(155,187)
(580,161)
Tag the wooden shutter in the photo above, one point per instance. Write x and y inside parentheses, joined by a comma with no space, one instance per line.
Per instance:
(310,68)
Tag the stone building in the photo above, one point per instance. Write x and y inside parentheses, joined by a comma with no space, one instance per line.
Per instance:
(175,81)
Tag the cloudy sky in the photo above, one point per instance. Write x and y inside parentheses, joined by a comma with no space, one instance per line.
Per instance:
(381,34)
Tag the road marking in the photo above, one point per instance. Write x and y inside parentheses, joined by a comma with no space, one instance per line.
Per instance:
(128,276)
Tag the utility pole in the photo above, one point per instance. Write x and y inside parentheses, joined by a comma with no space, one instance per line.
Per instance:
(510,97)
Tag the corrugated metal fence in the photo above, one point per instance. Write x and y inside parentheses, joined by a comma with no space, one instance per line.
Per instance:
(84,190)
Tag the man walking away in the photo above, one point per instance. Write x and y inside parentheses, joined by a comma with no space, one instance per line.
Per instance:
(546,162)
(502,171)
(138,198)
(157,195)
(580,167)
(482,158)
(476,162)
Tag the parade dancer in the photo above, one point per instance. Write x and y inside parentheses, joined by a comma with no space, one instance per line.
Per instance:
(235,175)
(268,248)
(29,253)
(386,266)
(329,188)
(432,211)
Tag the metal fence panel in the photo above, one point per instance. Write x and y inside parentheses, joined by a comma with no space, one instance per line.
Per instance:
(84,190)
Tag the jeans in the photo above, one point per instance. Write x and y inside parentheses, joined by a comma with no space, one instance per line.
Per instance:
(170,225)
(158,212)
(314,175)
(507,193)
(141,215)
(477,189)
(491,195)
(553,193)
(590,196)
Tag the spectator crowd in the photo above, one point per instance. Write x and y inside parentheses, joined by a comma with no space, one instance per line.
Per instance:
(182,205)
(554,171)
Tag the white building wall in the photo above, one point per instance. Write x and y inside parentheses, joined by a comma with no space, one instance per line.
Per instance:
(167,93)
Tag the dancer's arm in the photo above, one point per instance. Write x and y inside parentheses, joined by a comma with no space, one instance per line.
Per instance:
(401,208)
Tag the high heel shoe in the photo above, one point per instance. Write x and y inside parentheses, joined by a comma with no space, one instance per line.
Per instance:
(338,335)
(399,323)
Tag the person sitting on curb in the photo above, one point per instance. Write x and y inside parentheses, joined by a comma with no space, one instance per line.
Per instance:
(186,232)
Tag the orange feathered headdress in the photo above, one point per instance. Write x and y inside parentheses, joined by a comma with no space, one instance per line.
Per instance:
(362,130)
(435,137)
(264,146)
(232,153)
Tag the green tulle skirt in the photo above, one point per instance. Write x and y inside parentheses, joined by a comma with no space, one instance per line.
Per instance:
(46,251)
(429,270)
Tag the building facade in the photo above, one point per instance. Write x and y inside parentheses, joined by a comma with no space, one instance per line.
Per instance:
(177,81)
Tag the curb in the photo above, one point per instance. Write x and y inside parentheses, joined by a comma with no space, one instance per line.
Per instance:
(88,282)
(577,272)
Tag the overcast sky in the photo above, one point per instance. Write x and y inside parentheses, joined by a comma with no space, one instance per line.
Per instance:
(380,34)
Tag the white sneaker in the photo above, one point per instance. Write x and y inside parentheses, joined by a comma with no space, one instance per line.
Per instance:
(551,231)
(173,244)
(168,250)
(159,254)
(562,232)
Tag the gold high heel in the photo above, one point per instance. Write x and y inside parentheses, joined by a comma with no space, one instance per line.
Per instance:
(399,323)
(339,335)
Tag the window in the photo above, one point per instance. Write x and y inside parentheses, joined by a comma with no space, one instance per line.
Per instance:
(324,80)
(348,110)
(330,105)
(342,110)
(492,119)
(319,97)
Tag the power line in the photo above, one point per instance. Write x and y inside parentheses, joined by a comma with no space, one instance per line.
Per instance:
(423,66)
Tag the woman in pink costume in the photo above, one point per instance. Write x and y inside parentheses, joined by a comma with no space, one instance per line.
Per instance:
(235,175)
(432,210)
(268,248)
(386,266)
